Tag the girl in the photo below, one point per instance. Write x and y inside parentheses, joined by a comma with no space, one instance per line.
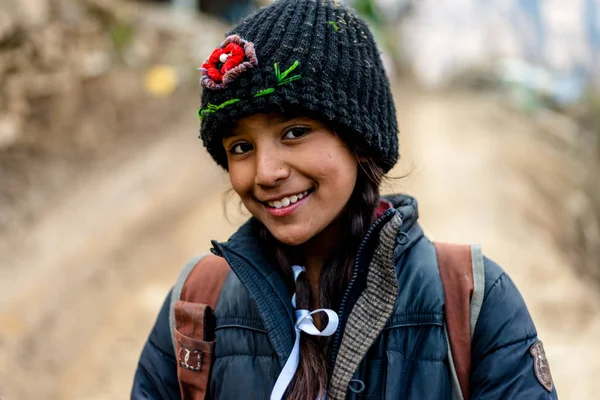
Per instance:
(297,107)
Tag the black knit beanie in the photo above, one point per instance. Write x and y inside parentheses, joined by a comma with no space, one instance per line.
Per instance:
(309,57)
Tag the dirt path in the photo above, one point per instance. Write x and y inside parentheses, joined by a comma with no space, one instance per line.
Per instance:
(469,154)
(80,292)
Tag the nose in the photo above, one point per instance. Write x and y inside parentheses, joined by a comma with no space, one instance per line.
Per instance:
(271,168)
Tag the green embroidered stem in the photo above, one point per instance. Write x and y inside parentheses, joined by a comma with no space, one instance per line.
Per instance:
(281,77)
(290,69)
(290,79)
(335,25)
(264,92)
(211,108)
(223,105)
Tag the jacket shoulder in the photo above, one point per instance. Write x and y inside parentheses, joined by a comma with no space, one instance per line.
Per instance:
(502,348)
(493,272)
(156,374)
(236,307)
(503,312)
(419,285)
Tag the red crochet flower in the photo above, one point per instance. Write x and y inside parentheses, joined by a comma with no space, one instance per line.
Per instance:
(225,64)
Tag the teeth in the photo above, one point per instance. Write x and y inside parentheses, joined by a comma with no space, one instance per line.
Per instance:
(286,201)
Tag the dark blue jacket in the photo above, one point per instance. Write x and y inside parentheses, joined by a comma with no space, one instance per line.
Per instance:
(408,359)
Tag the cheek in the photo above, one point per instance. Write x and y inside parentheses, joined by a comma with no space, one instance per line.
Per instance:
(241,180)
(338,175)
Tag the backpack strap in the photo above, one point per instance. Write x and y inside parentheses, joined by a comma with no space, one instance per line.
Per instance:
(193,298)
(462,273)
(176,293)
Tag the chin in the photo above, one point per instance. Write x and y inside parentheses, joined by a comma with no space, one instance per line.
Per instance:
(290,237)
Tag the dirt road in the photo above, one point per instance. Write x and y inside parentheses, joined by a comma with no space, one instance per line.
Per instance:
(81,289)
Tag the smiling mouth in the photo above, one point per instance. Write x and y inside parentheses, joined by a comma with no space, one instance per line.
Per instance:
(286,201)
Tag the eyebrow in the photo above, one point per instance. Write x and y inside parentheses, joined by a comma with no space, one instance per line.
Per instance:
(230,133)
(280,118)
(236,130)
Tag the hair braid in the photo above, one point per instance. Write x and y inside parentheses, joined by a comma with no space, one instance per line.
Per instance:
(311,378)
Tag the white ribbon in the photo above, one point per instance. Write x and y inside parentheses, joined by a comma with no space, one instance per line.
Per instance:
(304,323)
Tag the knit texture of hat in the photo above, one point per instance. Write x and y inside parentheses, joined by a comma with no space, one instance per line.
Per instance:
(309,57)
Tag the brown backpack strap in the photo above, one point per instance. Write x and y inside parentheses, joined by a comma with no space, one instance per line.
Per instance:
(206,280)
(456,270)
(193,332)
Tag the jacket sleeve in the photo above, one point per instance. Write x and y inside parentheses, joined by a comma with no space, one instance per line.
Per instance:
(502,364)
(156,375)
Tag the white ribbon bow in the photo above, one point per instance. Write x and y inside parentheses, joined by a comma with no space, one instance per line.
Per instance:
(304,323)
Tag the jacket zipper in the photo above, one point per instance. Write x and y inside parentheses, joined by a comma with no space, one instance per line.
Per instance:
(338,332)
(217,250)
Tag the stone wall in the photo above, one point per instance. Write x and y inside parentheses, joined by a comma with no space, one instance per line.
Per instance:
(49,49)
(81,80)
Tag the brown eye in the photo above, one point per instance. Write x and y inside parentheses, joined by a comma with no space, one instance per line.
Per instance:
(296,133)
(240,148)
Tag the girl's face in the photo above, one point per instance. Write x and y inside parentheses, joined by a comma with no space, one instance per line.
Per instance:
(294,175)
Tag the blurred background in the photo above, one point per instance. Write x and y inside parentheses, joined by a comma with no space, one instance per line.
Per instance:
(105,190)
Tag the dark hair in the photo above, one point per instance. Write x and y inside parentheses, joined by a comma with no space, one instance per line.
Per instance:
(311,377)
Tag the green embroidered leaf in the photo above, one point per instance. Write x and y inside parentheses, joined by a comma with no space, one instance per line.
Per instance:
(277,72)
(290,79)
(282,78)
(264,92)
(289,70)
(227,103)
(211,108)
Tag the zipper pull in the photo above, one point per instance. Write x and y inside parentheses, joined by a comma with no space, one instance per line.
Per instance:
(216,249)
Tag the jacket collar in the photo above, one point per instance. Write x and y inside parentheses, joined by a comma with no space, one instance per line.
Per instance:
(266,285)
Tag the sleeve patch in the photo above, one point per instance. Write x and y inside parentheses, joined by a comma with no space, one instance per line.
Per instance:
(541,366)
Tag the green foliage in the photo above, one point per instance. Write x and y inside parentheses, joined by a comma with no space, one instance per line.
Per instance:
(593,101)
(120,36)
(366,8)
